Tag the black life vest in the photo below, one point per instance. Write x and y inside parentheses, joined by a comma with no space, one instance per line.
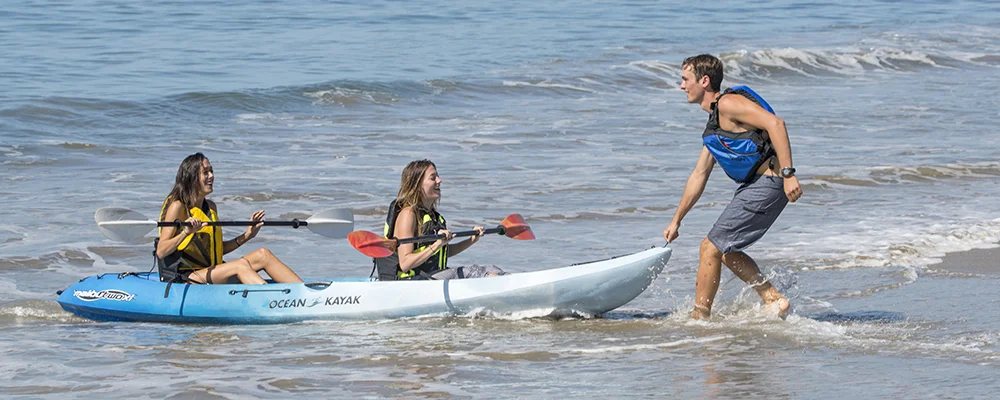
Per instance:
(430,223)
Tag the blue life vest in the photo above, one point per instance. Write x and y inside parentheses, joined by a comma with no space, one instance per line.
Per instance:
(739,154)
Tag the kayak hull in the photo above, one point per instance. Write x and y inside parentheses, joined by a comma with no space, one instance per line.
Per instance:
(587,289)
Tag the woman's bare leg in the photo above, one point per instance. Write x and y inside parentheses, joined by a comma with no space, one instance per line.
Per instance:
(263,259)
(242,269)
(246,269)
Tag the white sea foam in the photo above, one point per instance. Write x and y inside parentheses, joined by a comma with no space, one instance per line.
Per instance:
(346,96)
(9,291)
(547,84)
(655,68)
(651,346)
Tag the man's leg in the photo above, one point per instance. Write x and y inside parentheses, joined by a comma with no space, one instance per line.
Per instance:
(746,269)
(755,207)
(709,270)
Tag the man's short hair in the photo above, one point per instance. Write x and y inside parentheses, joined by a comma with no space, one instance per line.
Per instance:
(706,65)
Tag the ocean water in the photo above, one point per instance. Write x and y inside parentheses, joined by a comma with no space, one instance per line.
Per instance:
(568,113)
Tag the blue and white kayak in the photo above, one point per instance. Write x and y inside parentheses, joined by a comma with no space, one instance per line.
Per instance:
(587,289)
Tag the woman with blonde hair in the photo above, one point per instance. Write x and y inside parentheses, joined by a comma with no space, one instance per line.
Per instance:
(414,213)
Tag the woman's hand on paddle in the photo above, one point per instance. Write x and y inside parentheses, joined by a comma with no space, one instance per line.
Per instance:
(672,232)
(252,230)
(193,225)
(447,237)
(480,231)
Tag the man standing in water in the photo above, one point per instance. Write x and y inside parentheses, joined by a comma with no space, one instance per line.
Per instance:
(751,144)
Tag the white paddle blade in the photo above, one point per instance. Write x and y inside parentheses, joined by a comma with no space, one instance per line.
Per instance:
(122,224)
(335,223)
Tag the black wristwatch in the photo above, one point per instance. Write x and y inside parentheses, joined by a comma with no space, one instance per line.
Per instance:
(787,172)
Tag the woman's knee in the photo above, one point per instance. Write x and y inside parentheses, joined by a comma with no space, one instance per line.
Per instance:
(481,271)
(245,265)
(261,255)
(494,270)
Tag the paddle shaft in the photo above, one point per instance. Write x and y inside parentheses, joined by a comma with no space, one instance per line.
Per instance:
(500,230)
(295,223)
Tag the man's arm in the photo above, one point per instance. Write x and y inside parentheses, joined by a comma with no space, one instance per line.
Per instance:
(692,192)
(742,111)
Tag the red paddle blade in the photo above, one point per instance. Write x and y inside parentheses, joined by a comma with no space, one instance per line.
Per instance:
(370,244)
(517,228)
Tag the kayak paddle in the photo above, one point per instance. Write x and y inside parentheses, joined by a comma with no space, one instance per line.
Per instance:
(373,245)
(125,225)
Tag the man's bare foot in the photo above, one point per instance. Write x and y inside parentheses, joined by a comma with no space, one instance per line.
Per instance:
(778,306)
(701,312)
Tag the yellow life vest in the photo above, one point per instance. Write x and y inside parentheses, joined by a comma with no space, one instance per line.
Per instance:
(203,248)
(438,261)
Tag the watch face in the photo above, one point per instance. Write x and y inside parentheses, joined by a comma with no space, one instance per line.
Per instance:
(787,172)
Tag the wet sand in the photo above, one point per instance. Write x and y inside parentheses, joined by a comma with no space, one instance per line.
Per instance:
(976,261)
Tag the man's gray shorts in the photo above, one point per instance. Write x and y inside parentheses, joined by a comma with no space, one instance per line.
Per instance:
(754,208)
(472,271)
